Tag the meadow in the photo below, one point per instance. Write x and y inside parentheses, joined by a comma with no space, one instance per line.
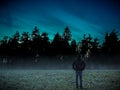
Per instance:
(58,80)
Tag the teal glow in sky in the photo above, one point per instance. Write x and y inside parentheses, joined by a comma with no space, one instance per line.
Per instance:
(93,17)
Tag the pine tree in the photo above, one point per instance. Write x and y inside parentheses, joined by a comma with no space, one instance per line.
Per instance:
(67,34)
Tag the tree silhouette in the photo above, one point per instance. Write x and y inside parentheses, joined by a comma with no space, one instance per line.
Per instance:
(95,46)
(86,44)
(35,33)
(4,46)
(38,44)
(25,37)
(36,41)
(56,44)
(16,36)
(65,47)
(67,34)
(13,44)
(25,44)
(66,37)
(111,43)
(45,43)
(73,46)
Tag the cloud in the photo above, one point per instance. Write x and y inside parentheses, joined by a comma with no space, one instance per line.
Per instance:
(80,25)
(82,17)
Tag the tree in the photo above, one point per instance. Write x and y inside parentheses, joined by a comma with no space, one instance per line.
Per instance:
(4,46)
(95,46)
(35,33)
(45,37)
(67,34)
(26,44)
(36,41)
(16,36)
(5,40)
(45,43)
(13,44)
(25,36)
(111,43)
(56,44)
(105,46)
(86,44)
(66,37)
(73,46)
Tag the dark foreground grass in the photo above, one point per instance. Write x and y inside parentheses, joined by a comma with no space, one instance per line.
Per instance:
(58,80)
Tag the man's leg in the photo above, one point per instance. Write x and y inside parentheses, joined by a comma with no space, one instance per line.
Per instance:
(76,79)
(80,74)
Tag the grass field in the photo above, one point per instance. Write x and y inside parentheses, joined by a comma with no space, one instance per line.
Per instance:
(58,80)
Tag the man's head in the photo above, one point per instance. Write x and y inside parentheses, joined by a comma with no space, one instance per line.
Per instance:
(79,57)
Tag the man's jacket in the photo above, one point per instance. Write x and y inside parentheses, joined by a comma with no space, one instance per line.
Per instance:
(79,65)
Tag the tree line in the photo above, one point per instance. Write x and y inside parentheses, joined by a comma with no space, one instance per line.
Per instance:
(38,43)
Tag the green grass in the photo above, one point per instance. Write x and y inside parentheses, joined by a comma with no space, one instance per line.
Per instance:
(58,80)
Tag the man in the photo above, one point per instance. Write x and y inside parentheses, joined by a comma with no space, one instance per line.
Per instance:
(79,66)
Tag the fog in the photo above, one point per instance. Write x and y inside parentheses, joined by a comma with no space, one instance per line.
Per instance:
(59,62)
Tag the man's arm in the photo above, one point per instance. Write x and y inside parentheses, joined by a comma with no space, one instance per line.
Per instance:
(83,65)
(73,65)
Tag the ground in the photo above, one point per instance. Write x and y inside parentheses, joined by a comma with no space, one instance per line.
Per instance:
(58,80)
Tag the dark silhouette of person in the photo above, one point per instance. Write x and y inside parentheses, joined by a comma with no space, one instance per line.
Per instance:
(79,66)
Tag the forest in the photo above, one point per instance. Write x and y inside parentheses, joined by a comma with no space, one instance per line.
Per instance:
(35,43)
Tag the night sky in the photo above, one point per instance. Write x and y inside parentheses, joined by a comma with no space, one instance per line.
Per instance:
(93,17)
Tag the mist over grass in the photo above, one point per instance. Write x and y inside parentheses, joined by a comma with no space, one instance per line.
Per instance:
(58,80)
(55,73)
(60,62)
